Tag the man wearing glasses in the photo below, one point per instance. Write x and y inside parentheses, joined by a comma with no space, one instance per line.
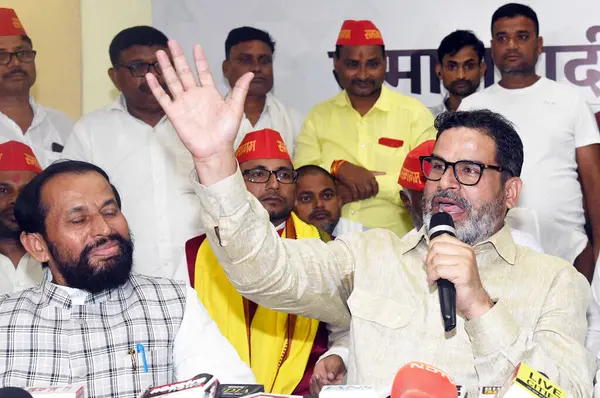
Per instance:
(43,129)
(135,143)
(261,336)
(514,304)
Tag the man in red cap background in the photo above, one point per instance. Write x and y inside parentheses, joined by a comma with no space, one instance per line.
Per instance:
(43,129)
(364,132)
(262,336)
(18,270)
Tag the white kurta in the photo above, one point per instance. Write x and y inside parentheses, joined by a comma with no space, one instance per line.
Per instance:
(48,127)
(28,273)
(275,116)
(150,168)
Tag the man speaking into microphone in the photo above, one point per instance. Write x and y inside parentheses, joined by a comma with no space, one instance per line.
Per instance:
(513,304)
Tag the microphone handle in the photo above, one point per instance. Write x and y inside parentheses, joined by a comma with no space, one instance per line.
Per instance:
(447,293)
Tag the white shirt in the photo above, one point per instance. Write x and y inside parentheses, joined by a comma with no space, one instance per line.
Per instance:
(28,273)
(48,126)
(438,109)
(276,116)
(592,341)
(150,168)
(199,346)
(347,226)
(552,121)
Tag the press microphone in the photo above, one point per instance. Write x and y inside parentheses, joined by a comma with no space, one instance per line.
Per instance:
(345,390)
(419,380)
(442,223)
(69,391)
(239,390)
(527,382)
(201,386)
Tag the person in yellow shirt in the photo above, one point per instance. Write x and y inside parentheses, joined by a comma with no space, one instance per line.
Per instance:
(363,134)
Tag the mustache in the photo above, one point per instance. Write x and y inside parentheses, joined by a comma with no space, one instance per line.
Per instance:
(320,212)
(105,239)
(439,193)
(465,81)
(512,52)
(358,81)
(16,71)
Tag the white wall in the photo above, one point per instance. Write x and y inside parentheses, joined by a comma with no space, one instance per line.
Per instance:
(305,30)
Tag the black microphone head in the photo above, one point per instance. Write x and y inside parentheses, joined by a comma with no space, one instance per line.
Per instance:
(441,223)
(14,392)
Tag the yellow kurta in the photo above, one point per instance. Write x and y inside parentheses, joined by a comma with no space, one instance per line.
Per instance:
(275,345)
(333,130)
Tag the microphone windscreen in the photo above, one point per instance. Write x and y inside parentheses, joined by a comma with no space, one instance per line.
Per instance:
(441,223)
(419,380)
(14,392)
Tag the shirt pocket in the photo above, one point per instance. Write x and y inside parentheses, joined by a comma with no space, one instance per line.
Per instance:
(378,312)
(389,154)
(159,371)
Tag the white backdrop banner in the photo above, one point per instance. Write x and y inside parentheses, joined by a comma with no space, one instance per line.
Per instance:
(305,33)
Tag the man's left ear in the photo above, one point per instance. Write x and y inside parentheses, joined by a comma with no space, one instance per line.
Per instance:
(35,246)
(512,190)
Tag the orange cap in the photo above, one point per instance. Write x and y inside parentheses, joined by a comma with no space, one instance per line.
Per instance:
(16,156)
(359,33)
(411,176)
(10,25)
(262,144)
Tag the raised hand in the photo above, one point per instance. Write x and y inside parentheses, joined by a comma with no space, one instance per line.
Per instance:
(205,122)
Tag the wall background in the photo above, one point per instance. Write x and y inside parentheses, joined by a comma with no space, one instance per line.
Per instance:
(306,30)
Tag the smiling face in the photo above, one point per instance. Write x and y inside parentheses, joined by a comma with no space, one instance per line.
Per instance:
(86,243)
(478,211)
(361,69)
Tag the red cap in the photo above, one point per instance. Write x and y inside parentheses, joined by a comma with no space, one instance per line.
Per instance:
(10,25)
(16,156)
(262,144)
(411,176)
(359,33)
(419,380)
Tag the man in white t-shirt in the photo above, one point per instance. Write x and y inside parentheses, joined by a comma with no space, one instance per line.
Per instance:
(136,144)
(44,130)
(248,49)
(318,202)
(561,171)
(18,269)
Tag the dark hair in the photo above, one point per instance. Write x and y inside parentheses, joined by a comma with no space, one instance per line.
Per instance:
(27,39)
(338,48)
(29,210)
(311,169)
(512,10)
(135,36)
(509,147)
(247,33)
(458,40)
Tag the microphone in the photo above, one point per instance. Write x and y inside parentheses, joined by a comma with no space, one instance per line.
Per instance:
(528,382)
(239,390)
(69,391)
(201,386)
(419,380)
(14,392)
(442,223)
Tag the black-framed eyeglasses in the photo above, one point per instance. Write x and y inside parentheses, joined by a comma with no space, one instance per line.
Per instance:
(262,176)
(140,69)
(25,56)
(467,172)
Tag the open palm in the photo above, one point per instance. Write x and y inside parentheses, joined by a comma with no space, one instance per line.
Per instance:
(205,122)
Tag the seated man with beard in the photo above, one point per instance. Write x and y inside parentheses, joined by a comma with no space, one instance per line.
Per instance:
(83,322)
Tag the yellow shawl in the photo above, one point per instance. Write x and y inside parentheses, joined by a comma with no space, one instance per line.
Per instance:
(280,343)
